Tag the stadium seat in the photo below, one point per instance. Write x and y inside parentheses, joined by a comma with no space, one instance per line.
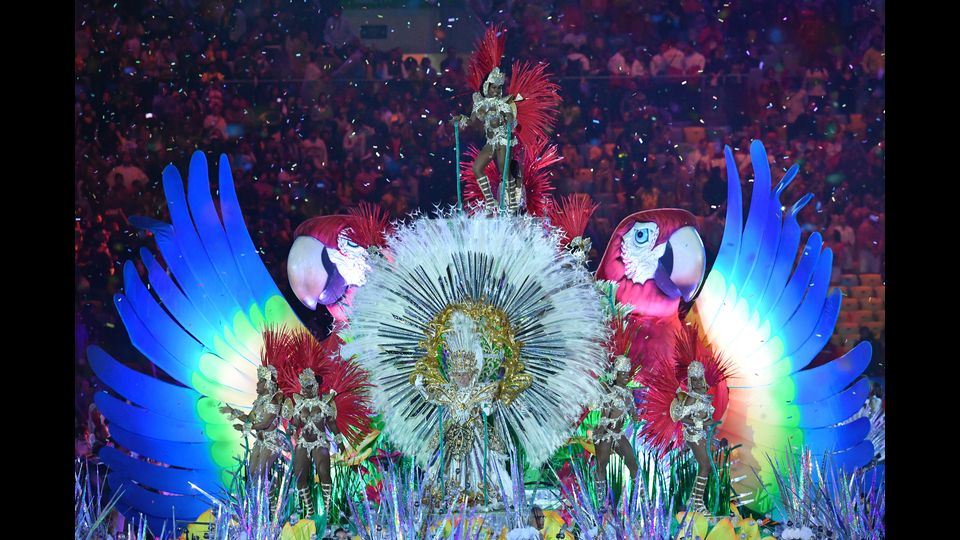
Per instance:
(861,292)
(881,315)
(872,303)
(875,327)
(849,280)
(860,317)
(693,135)
(871,280)
(881,293)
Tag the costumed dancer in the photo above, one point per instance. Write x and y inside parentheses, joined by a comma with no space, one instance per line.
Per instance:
(618,409)
(314,416)
(476,331)
(524,115)
(262,423)
(327,403)
(693,408)
(469,430)
(683,400)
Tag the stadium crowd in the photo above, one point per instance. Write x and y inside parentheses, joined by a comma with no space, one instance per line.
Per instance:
(314,120)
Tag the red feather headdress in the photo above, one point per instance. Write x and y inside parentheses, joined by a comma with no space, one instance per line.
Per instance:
(488,54)
(292,351)
(667,375)
(571,215)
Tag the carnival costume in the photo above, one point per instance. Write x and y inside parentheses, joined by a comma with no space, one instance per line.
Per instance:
(524,115)
(767,315)
(201,321)
(495,303)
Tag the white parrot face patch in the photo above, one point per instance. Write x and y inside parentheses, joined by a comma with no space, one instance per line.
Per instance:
(351,260)
(639,251)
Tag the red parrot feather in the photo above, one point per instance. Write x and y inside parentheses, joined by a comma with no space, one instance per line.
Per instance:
(488,54)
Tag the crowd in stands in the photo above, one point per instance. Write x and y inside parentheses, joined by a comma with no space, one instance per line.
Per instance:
(314,120)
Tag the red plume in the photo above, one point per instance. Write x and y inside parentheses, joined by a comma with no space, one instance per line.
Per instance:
(536,159)
(571,215)
(488,54)
(369,225)
(534,162)
(662,380)
(292,351)
(540,104)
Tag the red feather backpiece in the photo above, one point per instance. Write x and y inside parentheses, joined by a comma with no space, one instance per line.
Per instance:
(535,162)
(292,351)
(571,215)
(369,225)
(662,380)
(488,54)
(540,105)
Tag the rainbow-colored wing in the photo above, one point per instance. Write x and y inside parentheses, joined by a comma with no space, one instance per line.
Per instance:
(199,321)
(770,319)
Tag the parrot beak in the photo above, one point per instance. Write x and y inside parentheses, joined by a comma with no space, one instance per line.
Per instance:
(313,277)
(681,268)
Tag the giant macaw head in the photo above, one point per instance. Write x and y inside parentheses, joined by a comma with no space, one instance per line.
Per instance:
(657,259)
(325,263)
(329,259)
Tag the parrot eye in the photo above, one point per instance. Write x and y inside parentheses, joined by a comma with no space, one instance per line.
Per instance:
(644,234)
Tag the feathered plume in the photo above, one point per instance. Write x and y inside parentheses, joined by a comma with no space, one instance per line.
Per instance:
(666,376)
(571,215)
(488,54)
(369,225)
(535,162)
(293,351)
(540,104)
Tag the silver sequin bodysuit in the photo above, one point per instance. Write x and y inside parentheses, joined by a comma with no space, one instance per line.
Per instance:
(494,112)
(693,415)
(268,438)
(310,412)
(615,398)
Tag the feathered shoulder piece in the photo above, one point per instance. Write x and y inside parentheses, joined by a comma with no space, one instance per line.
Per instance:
(293,351)
(488,54)
(537,100)
(668,375)
(571,215)
(369,225)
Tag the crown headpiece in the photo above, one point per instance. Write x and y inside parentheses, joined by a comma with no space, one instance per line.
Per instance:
(267,372)
(695,369)
(622,363)
(307,378)
(495,77)
(463,344)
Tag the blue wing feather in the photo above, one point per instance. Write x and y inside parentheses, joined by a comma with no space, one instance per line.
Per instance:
(175,402)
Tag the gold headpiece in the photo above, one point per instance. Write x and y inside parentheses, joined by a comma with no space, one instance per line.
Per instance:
(463,344)
(461,361)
